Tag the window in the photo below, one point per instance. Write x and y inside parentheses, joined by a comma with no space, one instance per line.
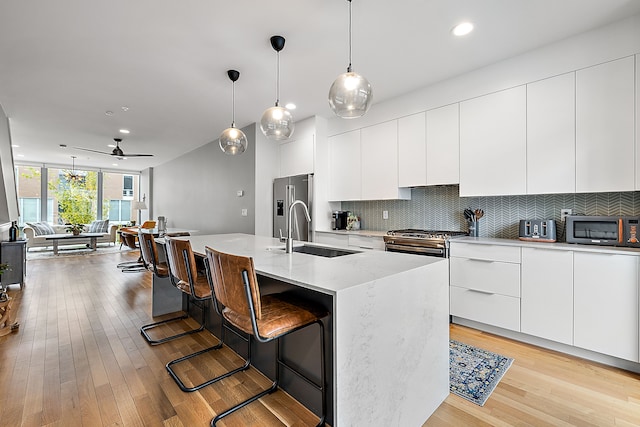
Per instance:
(29,210)
(72,195)
(127,187)
(119,210)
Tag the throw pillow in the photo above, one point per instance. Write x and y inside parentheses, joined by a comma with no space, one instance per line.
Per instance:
(99,226)
(41,228)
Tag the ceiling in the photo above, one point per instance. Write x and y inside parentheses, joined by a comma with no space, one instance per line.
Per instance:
(65,63)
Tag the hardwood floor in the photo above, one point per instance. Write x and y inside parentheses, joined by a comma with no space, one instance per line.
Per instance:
(544,388)
(78,360)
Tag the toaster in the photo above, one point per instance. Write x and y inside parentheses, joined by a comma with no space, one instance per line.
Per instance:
(538,230)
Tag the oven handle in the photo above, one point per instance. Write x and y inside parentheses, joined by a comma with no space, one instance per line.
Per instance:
(414,249)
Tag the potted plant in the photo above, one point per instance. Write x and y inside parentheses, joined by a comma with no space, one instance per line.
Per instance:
(75,228)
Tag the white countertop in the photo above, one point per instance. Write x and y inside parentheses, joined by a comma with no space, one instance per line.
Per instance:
(548,245)
(327,275)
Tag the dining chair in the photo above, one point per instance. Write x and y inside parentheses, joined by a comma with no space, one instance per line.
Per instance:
(234,287)
(129,237)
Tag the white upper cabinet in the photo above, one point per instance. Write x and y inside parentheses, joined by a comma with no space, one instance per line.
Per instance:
(551,153)
(493,144)
(412,151)
(443,145)
(344,167)
(296,157)
(379,160)
(605,155)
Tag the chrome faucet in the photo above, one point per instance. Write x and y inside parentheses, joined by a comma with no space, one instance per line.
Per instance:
(289,240)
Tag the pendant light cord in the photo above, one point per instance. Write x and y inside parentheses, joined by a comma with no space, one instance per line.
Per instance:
(233,104)
(350,35)
(277,78)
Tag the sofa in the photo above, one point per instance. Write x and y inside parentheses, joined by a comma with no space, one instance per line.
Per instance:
(36,240)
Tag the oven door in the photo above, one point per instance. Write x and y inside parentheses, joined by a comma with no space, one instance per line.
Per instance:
(417,250)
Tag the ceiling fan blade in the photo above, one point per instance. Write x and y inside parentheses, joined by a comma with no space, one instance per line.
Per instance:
(93,151)
(137,155)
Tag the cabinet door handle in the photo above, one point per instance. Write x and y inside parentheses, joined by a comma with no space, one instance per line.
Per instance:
(480,291)
(480,260)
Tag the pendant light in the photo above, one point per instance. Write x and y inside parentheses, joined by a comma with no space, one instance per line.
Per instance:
(232,140)
(277,122)
(350,95)
(73,177)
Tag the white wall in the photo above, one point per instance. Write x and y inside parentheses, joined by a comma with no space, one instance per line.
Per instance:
(197,191)
(604,44)
(8,195)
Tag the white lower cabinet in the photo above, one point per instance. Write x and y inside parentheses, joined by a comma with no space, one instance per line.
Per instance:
(606,304)
(332,239)
(485,284)
(366,242)
(357,241)
(547,294)
(585,299)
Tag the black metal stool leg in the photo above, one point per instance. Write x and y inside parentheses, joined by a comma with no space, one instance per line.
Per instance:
(274,386)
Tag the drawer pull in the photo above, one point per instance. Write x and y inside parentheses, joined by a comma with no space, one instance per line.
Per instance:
(481,292)
(480,260)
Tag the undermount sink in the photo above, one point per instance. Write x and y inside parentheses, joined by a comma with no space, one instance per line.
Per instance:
(323,251)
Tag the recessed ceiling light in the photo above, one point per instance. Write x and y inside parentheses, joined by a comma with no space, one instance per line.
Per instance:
(290,106)
(125,108)
(462,29)
(108,113)
(125,131)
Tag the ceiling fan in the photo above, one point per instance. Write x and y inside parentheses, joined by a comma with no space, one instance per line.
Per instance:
(117,151)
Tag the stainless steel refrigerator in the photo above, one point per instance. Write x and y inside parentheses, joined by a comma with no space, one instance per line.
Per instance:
(286,191)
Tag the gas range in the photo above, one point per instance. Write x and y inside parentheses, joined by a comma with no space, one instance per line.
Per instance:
(422,242)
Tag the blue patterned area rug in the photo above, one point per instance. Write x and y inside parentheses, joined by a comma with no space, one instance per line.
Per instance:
(473,372)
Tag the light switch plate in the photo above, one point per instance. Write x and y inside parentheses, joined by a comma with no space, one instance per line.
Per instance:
(385,214)
(244,212)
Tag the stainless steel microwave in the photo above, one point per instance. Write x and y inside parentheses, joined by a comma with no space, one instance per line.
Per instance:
(604,230)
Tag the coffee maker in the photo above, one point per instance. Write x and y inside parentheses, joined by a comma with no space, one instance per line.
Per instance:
(339,220)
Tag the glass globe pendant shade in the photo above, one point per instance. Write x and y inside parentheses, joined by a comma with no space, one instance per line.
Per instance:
(277,123)
(233,141)
(350,95)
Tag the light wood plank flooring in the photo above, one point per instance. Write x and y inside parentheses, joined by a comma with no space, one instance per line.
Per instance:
(544,388)
(78,360)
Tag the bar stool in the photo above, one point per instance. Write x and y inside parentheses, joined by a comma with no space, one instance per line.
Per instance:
(150,258)
(234,285)
(184,275)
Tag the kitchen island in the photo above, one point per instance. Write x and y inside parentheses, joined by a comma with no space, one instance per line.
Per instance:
(388,325)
